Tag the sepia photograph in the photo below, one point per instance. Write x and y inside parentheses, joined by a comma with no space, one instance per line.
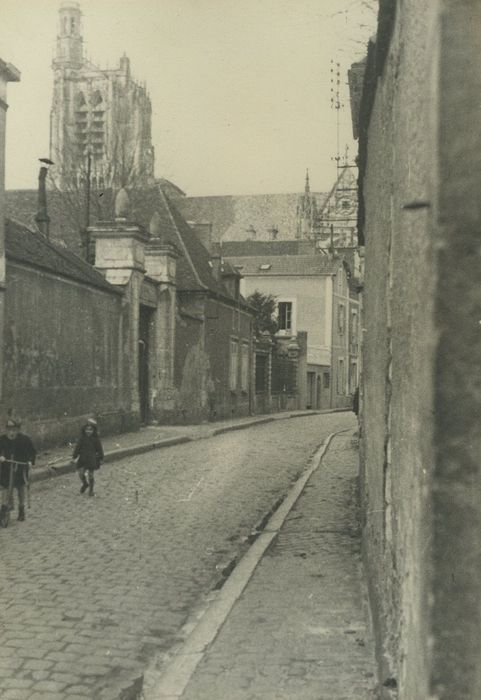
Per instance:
(240,350)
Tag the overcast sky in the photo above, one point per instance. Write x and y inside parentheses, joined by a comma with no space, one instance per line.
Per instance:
(240,89)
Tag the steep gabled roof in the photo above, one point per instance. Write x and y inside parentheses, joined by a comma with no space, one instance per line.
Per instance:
(234,217)
(194,272)
(194,268)
(285,265)
(31,248)
(249,248)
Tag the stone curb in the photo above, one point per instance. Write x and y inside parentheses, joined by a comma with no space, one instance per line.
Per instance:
(181,666)
(67,467)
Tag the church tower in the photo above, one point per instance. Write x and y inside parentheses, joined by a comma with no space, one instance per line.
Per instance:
(69,51)
(100,120)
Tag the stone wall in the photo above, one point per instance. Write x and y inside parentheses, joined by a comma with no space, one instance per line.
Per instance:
(202,360)
(64,360)
(421,395)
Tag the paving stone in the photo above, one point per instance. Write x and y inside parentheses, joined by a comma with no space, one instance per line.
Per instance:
(49,686)
(142,555)
(13,694)
(286,637)
(80,690)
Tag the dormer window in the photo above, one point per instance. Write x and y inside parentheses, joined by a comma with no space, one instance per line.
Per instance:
(265,266)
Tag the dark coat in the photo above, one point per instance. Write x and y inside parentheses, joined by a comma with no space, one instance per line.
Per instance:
(20,449)
(89,452)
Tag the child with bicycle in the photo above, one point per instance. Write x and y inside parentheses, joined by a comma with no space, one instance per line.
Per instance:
(17,455)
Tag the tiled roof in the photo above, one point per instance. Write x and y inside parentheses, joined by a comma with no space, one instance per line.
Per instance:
(194,270)
(31,248)
(66,218)
(232,216)
(249,248)
(285,265)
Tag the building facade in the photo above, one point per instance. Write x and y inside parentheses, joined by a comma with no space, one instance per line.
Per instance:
(315,295)
(100,120)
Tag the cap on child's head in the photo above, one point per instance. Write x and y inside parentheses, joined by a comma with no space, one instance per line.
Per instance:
(92,421)
(13,423)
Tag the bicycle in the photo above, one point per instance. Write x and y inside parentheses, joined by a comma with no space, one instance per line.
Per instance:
(8,497)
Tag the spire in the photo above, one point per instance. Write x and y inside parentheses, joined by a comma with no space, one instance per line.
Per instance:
(305,211)
(307,189)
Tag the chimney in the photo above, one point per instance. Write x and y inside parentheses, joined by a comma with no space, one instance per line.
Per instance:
(42,219)
(216,263)
(251,233)
(203,231)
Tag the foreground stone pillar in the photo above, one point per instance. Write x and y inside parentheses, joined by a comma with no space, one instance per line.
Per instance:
(120,256)
(160,264)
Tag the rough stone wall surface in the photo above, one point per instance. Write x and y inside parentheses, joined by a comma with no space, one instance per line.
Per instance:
(456,611)
(398,354)
(223,323)
(63,354)
(202,362)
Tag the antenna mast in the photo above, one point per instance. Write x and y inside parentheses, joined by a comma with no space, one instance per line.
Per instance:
(336,104)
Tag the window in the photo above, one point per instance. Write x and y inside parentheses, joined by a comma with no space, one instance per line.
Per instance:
(285,316)
(340,377)
(353,332)
(234,359)
(244,367)
(353,378)
(354,326)
(327,380)
(341,318)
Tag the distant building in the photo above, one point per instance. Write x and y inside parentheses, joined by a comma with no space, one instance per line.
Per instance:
(98,115)
(261,217)
(316,294)
(324,218)
(336,221)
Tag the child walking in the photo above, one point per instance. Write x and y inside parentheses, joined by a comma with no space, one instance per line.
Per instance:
(90,455)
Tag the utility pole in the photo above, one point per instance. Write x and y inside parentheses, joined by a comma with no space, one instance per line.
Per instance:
(86,237)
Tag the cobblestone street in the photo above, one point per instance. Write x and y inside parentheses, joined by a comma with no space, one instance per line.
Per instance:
(299,631)
(92,589)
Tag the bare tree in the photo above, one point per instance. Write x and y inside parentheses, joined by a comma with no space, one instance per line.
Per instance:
(89,171)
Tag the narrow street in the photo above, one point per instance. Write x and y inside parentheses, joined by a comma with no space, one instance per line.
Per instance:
(92,589)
